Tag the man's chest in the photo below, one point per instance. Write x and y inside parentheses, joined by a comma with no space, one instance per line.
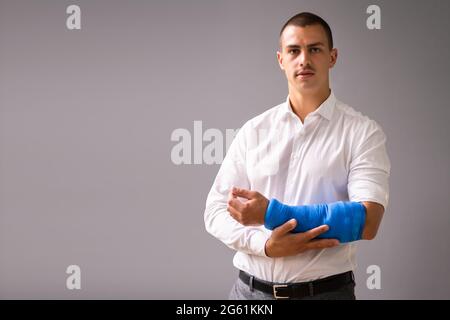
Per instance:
(285,157)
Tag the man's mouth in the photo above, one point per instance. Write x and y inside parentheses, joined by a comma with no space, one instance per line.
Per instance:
(305,74)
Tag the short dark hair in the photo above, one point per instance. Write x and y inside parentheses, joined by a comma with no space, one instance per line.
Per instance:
(304,19)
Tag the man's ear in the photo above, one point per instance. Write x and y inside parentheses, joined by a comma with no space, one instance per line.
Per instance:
(333,57)
(280,60)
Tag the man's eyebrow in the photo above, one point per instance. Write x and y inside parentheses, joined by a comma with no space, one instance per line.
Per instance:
(296,46)
(315,44)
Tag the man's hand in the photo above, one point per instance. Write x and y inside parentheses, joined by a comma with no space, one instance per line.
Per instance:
(251,212)
(282,243)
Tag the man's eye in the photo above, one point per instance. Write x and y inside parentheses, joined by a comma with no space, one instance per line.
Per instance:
(293,51)
(315,50)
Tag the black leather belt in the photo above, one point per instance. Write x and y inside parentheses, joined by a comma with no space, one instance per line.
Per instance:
(300,289)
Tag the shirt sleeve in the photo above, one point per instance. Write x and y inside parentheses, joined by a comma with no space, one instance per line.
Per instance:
(369,170)
(218,222)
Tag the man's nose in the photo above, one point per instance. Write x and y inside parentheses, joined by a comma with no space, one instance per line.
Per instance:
(304,58)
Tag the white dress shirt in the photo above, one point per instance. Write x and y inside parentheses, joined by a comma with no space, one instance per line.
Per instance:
(337,154)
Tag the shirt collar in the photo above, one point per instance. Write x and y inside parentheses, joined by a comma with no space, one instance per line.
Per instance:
(325,109)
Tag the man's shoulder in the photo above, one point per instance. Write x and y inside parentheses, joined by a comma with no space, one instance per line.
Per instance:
(355,117)
(266,118)
(349,113)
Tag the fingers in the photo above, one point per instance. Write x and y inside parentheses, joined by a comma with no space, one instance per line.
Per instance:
(311,234)
(234,213)
(230,195)
(285,228)
(323,243)
(235,203)
(244,193)
(233,200)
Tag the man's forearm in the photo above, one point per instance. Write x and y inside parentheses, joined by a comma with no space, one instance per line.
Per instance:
(345,219)
(219,224)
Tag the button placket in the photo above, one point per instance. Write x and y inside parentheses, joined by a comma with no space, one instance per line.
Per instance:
(299,138)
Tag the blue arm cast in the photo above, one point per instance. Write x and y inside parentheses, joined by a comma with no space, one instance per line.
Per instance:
(345,219)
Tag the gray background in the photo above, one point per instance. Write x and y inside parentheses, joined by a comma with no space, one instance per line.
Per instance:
(86,117)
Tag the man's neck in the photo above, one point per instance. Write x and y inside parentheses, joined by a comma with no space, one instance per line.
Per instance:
(303,104)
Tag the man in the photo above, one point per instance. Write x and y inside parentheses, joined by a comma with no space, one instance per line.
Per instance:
(301,182)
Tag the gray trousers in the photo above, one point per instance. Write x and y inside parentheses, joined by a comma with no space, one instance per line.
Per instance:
(241,291)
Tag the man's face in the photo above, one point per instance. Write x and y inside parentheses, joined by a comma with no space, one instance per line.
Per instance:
(306,58)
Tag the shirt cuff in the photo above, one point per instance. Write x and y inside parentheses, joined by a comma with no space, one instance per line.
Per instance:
(258,243)
(369,192)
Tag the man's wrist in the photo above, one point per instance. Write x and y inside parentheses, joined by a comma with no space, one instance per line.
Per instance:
(266,248)
(263,220)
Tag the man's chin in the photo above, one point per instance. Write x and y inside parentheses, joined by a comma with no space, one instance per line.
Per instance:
(306,88)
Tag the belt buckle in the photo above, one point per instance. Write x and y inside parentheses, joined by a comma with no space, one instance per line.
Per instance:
(275,294)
